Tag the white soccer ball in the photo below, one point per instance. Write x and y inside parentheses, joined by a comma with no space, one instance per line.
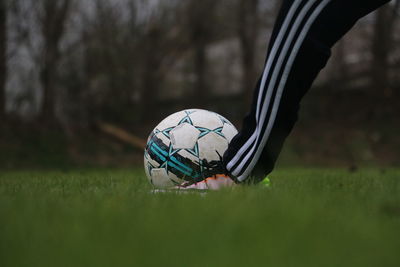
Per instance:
(187,146)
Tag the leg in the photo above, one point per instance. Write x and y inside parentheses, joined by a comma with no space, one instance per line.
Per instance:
(300,47)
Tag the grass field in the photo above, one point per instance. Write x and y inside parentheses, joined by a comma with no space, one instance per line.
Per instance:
(308,217)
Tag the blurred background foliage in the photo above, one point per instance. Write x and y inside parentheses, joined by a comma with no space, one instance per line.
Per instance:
(68,66)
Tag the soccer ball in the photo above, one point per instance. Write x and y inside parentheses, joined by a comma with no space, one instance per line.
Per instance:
(187,146)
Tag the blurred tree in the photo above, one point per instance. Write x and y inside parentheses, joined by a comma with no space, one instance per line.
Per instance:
(166,38)
(248,28)
(52,17)
(382,44)
(125,59)
(23,58)
(3,57)
(152,75)
(201,28)
(107,47)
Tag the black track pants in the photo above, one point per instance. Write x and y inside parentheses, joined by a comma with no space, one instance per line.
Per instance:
(300,47)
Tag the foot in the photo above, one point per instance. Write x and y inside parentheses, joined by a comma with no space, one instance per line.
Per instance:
(216,182)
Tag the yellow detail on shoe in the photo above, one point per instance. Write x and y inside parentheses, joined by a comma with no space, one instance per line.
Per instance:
(266,182)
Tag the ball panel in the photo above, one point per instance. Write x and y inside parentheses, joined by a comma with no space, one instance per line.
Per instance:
(190,154)
(206,119)
(214,151)
(160,178)
(184,136)
(172,160)
(229,131)
(171,120)
(223,119)
(162,138)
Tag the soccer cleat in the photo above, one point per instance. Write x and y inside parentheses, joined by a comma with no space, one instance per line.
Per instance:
(216,182)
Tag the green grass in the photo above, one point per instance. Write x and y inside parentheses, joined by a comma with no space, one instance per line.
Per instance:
(308,217)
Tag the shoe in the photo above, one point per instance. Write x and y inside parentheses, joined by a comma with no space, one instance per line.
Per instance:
(216,182)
